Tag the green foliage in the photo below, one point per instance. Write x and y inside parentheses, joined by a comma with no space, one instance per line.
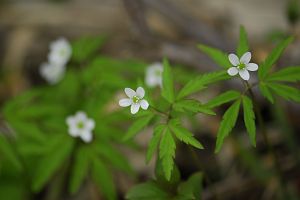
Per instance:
(243,45)
(223,98)
(154,142)
(227,123)
(249,119)
(287,74)
(183,134)
(266,66)
(8,152)
(264,89)
(287,92)
(137,126)
(216,55)
(167,152)
(192,188)
(201,82)
(168,86)
(192,106)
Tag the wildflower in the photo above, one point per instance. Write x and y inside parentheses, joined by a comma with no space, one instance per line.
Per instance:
(81,126)
(241,66)
(135,100)
(60,52)
(51,72)
(154,75)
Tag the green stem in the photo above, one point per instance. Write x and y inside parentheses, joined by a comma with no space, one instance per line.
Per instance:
(271,150)
(158,111)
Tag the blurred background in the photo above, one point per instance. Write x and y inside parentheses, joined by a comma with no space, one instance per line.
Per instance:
(148,30)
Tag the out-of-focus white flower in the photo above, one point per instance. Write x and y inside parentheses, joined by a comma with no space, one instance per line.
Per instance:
(52,72)
(81,126)
(135,100)
(241,66)
(60,51)
(154,75)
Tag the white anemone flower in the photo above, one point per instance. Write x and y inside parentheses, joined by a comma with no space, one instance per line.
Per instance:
(154,75)
(60,51)
(135,100)
(81,126)
(241,66)
(51,72)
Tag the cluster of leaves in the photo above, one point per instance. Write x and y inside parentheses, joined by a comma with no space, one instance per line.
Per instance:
(160,188)
(38,119)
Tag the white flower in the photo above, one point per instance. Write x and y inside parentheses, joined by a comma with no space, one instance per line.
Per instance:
(81,126)
(60,51)
(154,75)
(241,66)
(135,100)
(51,72)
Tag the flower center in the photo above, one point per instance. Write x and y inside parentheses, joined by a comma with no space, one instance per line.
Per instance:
(157,72)
(241,66)
(62,52)
(135,99)
(80,125)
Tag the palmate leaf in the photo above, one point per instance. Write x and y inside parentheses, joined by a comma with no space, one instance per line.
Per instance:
(154,142)
(7,151)
(147,191)
(288,74)
(265,67)
(59,150)
(227,123)
(184,135)
(223,98)
(168,87)
(243,46)
(80,169)
(264,89)
(249,119)
(103,178)
(287,92)
(192,106)
(137,126)
(167,153)
(216,55)
(199,83)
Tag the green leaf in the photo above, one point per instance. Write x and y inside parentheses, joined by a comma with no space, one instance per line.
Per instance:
(223,98)
(79,170)
(103,178)
(249,119)
(216,55)
(264,89)
(51,162)
(137,126)
(158,131)
(227,123)
(168,87)
(192,188)
(161,179)
(8,151)
(147,191)
(184,135)
(83,48)
(192,106)
(288,74)
(265,67)
(243,46)
(287,92)
(167,153)
(200,82)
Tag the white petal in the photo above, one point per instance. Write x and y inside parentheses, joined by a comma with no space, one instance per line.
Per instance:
(70,120)
(125,102)
(90,124)
(244,74)
(232,71)
(81,116)
(246,58)
(151,81)
(73,131)
(130,92)
(86,136)
(252,67)
(134,108)
(233,59)
(144,104)
(140,92)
